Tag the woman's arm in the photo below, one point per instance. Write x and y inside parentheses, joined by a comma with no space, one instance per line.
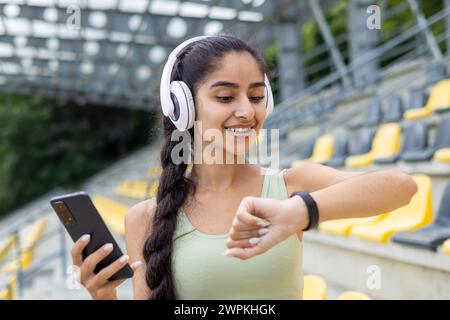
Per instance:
(137,229)
(338,195)
(341,194)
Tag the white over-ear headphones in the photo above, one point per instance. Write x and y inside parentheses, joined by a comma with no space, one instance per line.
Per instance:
(176,98)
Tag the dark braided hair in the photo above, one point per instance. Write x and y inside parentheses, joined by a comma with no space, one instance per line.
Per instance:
(196,61)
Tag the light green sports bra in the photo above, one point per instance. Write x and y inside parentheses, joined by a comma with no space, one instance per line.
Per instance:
(202,272)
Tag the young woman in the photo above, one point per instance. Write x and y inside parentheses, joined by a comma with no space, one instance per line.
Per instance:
(230,231)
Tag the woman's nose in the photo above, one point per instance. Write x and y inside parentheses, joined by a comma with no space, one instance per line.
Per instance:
(244,109)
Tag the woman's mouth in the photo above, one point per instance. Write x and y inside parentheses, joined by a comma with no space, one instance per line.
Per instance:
(240,132)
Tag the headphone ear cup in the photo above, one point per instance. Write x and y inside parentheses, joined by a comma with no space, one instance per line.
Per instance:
(184,103)
(269,104)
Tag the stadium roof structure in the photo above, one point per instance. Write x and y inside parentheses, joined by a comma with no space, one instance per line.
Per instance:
(111,52)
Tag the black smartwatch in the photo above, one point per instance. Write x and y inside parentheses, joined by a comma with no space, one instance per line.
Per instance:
(313,212)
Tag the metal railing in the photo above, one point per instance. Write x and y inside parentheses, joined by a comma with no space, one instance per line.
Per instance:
(384,50)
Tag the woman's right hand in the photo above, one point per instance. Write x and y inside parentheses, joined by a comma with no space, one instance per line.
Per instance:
(98,285)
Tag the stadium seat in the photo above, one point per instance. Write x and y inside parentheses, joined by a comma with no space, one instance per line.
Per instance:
(439,148)
(4,294)
(132,189)
(417,98)
(418,213)
(353,295)
(442,141)
(154,171)
(439,99)
(362,143)
(415,143)
(436,71)
(442,155)
(7,246)
(306,150)
(9,293)
(385,144)
(431,236)
(373,116)
(394,112)
(446,246)
(112,212)
(314,288)
(153,190)
(323,149)
(342,227)
(340,151)
(28,246)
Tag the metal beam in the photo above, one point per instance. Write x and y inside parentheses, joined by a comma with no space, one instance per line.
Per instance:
(329,40)
(361,40)
(447,24)
(290,64)
(431,41)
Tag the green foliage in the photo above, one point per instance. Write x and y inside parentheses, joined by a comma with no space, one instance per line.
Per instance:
(45,143)
(271,57)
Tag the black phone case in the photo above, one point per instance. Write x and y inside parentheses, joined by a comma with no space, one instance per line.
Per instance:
(88,221)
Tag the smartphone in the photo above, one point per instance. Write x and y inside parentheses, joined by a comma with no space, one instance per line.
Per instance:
(79,216)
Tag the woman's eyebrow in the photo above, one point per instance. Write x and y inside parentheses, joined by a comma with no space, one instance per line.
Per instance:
(235,85)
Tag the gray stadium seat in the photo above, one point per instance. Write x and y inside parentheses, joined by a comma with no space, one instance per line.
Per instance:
(441,140)
(415,142)
(363,142)
(307,147)
(417,98)
(373,116)
(437,71)
(340,151)
(394,112)
(432,236)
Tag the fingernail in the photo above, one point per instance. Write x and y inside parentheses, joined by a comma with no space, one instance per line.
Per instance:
(108,247)
(124,258)
(263,223)
(263,231)
(136,264)
(86,238)
(227,253)
(254,240)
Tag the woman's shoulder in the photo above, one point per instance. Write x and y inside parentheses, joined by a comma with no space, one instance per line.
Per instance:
(140,214)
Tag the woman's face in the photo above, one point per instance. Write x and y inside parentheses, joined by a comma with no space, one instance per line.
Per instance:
(232,100)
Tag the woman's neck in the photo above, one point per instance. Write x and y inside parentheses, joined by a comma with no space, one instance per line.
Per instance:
(221,177)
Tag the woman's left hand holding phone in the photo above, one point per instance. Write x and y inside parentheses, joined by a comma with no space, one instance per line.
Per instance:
(98,285)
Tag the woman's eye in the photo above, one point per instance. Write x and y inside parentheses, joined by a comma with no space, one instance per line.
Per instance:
(225,98)
(257,99)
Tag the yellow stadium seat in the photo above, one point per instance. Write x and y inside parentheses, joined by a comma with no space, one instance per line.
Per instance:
(442,155)
(314,288)
(439,99)
(353,295)
(261,137)
(386,143)
(4,294)
(9,293)
(418,213)
(6,247)
(112,212)
(323,149)
(132,189)
(153,190)
(154,171)
(28,246)
(446,246)
(322,152)
(342,227)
